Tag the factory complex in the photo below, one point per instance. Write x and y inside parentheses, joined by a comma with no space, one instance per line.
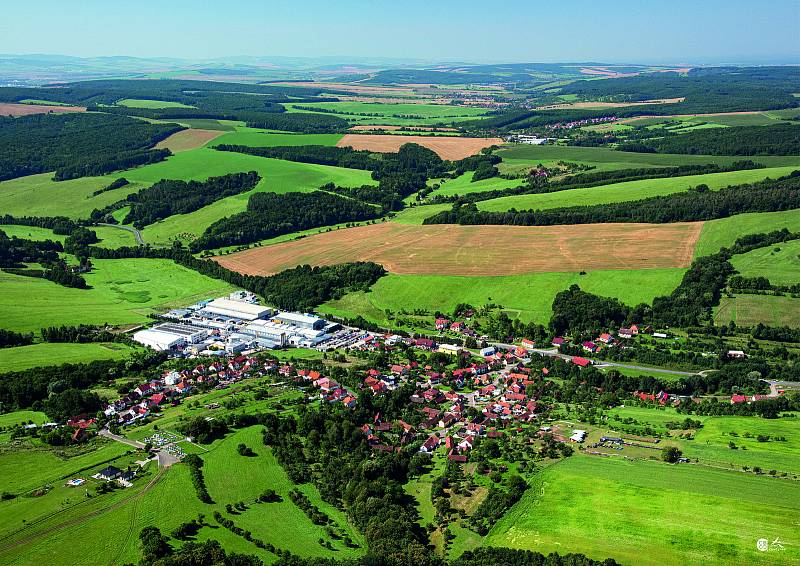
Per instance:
(234,324)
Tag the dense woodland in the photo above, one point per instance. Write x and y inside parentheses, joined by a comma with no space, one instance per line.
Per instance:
(168,197)
(271,214)
(780,139)
(77,145)
(699,203)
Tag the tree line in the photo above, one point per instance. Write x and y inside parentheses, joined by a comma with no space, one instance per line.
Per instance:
(778,139)
(168,197)
(76,145)
(271,214)
(699,203)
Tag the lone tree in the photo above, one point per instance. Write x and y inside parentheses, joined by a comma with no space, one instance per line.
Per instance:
(671,454)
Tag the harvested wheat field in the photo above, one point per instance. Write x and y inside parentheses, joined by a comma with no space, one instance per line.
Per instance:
(447,249)
(451,148)
(10,109)
(188,139)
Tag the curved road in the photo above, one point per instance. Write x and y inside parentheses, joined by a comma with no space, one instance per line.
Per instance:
(598,363)
(131,229)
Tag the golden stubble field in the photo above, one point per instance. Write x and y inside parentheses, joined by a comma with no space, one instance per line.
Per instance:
(447,249)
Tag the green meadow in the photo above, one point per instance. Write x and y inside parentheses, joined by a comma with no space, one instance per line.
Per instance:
(277,176)
(155,104)
(749,310)
(643,512)
(631,190)
(724,232)
(112,535)
(402,114)
(526,297)
(46,354)
(463,185)
(40,195)
(779,263)
(243,135)
(520,155)
(124,291)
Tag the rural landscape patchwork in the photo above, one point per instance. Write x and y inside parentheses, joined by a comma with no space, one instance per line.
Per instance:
(302,312)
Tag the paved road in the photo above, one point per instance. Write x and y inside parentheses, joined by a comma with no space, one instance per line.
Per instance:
(554,353)
(131,229)
(108,434)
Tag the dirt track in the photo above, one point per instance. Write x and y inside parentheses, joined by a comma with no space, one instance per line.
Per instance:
(447,147)
(448,249)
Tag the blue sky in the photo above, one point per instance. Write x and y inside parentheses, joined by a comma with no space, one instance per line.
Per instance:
(676,31)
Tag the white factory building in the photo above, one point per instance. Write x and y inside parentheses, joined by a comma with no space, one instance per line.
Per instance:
(237,309)
(301,320)
(169,335)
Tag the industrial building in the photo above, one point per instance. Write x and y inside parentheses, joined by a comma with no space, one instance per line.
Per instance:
(266,330)
(301,320)
(170,335)
(237,309)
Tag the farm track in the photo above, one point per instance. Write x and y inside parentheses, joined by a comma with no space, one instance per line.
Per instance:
(73,522)
(136,233)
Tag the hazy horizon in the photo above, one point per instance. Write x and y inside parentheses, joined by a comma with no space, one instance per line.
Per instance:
(681,32)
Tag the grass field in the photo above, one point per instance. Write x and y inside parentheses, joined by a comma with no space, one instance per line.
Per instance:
(749,310)
(647,513)
(243,135)
(481,250)
(39,195)
(527,297)
(779,263)
(720,233)
(123,291)
(35,355)
(31,232)
(394,114)
(139,103)
(520,156)
(111,537)
(277,176)
(463,185)
(185,140)
(631,190)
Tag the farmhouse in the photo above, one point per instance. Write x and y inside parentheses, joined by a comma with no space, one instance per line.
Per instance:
(109,473)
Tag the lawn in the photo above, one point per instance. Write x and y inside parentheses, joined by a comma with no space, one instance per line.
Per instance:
(749,310)
(720,233)
(154,104)
(631,190)
(779,263)
(124,291)
(46,354)
(527,297)
(648,513)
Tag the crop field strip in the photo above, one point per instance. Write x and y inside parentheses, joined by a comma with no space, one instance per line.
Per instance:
(188,139)
(446,147)
(11,109)
(470,250)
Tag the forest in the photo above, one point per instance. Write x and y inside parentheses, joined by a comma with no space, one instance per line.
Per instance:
(698,203)
(319,154)
(270,214)
(779,139)
(168,197)
(77,145)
